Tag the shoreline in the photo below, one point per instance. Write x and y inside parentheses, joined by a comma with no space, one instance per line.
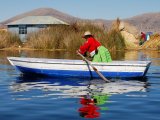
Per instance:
(31,49)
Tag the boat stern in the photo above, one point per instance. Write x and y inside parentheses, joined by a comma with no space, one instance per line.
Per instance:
(147,67)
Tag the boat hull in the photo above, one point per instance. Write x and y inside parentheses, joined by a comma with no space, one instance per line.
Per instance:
(79,68)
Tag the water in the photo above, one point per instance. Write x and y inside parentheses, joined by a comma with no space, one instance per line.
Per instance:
(26,98)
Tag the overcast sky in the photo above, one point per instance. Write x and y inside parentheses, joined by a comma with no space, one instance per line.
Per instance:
(91,9)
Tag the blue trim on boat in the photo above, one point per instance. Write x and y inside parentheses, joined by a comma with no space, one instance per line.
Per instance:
(81,74)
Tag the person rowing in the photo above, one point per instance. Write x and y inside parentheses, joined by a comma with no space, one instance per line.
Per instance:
(97,52)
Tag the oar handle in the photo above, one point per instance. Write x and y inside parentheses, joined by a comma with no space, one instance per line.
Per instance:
(93,67)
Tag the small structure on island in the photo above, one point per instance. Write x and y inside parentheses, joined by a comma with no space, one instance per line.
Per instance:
(29,24)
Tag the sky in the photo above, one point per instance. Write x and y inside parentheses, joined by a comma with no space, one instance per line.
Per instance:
(87,9)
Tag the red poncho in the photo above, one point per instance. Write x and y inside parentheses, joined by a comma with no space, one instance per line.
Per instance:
(89,46)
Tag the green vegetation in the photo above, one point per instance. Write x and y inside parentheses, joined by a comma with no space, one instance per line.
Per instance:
(9,40)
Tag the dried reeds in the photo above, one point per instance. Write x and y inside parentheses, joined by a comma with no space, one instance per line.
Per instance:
(8,39)
(70,37)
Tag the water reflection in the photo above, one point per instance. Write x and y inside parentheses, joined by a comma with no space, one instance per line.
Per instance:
(76,87)
(153,56)
(89,108)
(93,95)
(116,55)
(131,55)
(91,105)
(38,54)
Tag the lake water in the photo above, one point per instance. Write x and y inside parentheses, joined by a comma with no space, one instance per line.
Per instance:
(26,98)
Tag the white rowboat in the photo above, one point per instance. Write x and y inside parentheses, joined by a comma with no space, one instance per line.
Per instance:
(79,68)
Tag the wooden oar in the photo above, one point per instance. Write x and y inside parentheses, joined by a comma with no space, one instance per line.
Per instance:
(94,68)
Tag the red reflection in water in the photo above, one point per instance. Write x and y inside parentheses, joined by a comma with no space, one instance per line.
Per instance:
(88,109)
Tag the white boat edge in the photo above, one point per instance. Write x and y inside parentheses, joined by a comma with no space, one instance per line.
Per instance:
(75,68)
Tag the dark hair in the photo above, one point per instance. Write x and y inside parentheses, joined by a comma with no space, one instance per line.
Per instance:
(88,36)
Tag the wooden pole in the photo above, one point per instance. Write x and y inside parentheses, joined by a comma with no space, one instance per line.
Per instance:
(94,68)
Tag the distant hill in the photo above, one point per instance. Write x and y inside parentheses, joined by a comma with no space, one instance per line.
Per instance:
(145,22)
